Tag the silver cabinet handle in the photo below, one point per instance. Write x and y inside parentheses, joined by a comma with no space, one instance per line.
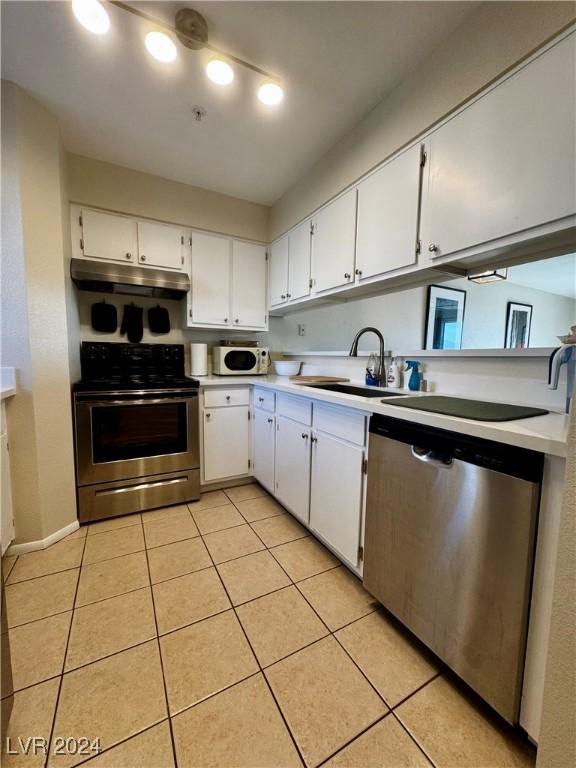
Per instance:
(260,399)
(433,248)
(313,439)
(288,295)
(128,255)
(347,275)
(282,295)
(142,258)
(358,272)
(227,398)
(304,436)
(208,415)
(236,321)
(270,421)
(225,319)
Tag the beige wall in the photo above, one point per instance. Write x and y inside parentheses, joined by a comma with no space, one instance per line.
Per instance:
(489,41)
(103,185)
(34,323)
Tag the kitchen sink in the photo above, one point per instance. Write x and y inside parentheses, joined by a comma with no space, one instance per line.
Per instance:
(349,389)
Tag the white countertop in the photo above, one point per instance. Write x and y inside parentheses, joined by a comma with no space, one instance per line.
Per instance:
(7,382)
(546,434)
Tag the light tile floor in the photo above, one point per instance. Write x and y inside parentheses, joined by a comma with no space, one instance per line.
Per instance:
(220,633)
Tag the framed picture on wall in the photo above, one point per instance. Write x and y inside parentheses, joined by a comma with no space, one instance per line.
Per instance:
(444,318)
(518,322)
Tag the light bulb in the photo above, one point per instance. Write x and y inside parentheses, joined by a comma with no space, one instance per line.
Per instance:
(270,94)
(160,46)
(220,72)
(92,15)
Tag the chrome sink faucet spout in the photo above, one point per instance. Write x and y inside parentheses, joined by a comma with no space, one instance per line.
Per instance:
(379,374)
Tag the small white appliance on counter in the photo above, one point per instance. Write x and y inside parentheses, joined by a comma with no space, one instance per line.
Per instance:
(198,359)
(238,361)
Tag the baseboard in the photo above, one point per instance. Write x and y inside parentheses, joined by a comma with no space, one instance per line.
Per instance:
(32,546)
(219,485)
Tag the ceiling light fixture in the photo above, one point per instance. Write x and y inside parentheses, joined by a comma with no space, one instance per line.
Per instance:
(489,276)
(160,46)
(192,31)
(270,94)
(92,15)
(220,72)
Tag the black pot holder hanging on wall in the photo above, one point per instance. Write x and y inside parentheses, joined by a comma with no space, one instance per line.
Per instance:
(159,319)
(132,323)
(104,317)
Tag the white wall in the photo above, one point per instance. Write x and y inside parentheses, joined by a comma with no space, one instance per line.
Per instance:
(485,313)
(34,322)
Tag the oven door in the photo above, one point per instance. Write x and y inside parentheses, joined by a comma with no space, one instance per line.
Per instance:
(239,360)
(129,435)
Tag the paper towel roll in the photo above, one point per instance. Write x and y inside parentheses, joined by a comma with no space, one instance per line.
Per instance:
(198,359)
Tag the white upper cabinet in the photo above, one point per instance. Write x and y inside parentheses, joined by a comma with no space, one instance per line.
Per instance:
(279,272)
(249,285)
(387,224)
(333,243)
(299,247)
(505,164)
(209,297)
(160,245)
(106,236)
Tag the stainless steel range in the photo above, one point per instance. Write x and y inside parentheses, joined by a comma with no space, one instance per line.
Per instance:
(136,429)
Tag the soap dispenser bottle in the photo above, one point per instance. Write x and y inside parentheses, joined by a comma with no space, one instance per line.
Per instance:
(414,380)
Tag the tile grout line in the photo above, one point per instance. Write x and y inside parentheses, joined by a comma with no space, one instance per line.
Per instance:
(61,680)
(122,741)
(353,739)
(261,670)
(410,736)
(160,655)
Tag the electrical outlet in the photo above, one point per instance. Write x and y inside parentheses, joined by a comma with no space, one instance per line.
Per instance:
(301,329)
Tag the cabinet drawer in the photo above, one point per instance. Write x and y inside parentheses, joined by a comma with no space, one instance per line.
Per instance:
(296,408)
(264,398)
(215,398)
(341,422)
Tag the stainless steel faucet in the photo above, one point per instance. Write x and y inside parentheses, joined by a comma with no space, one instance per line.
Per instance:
(379,375)
(564,355)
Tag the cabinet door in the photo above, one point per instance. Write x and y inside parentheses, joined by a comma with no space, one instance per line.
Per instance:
(279,272)
(387,227)
(263,448)
(249,285)
(505,163)
(336,494)
(105,236)
(299,246)
(333,243)
(293,467)
(210,277)
(160,245)
(226,442)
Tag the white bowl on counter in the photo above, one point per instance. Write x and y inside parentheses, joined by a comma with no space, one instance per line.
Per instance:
(287,367)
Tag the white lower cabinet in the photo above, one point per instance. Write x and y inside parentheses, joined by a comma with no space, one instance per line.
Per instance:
(336,494)
(263,452)
(223,456)
(293,467)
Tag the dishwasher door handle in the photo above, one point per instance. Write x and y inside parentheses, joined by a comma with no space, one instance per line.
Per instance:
(431,457)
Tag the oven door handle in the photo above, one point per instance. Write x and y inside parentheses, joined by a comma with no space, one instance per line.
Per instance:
(155,401)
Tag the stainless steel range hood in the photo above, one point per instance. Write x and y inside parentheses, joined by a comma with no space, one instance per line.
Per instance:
(128,279)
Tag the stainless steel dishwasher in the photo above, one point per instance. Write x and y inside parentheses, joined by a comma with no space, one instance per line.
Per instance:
(449,548)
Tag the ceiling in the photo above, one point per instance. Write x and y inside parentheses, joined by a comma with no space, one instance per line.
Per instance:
(336,60)
(557,275)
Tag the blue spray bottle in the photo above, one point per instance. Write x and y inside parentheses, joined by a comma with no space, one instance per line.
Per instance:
(414,380)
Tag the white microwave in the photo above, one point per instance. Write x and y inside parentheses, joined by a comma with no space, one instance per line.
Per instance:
(237,361)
